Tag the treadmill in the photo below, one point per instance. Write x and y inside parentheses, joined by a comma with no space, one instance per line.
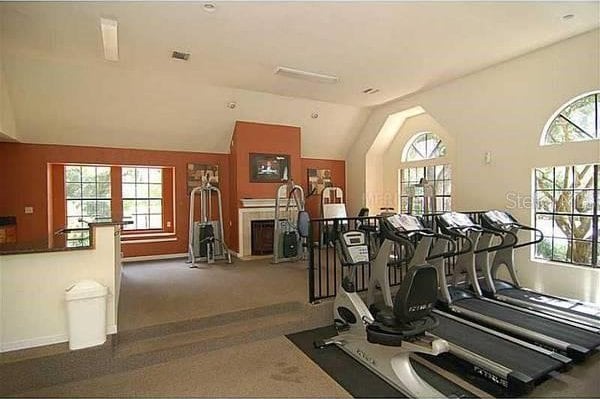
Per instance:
(466,299)
(511,363)
(511,291)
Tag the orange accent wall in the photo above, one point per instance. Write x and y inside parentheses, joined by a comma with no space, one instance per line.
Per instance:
(250,137)
(31,175)
(338,178)
(24,178)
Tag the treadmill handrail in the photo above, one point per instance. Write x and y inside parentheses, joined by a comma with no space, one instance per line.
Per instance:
(460,234)
(498,233)
(538,233)
(432,234)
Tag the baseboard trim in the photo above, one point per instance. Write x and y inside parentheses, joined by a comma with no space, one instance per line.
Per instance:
(154,257)
(44,341)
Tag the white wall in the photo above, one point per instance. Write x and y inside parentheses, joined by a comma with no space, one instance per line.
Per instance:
(32,288)
(503,109)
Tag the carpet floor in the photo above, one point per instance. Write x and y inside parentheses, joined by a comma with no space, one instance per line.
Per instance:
(160,292)
(269,368)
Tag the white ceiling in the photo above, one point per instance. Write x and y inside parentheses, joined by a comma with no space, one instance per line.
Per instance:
(63,91)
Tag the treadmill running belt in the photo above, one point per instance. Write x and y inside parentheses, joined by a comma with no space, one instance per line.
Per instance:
(539,324)
(551,302)
(509,354)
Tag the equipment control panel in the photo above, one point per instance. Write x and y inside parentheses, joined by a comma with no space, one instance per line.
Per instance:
(354,245)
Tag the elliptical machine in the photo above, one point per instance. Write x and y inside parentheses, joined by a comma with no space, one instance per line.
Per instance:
(384,343)
(206,236)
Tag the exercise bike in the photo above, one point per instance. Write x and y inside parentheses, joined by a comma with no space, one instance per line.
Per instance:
(384,343)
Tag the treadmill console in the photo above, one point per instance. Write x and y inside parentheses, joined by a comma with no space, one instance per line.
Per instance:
(457,220)
(354,247)
(406,222)
(500,218)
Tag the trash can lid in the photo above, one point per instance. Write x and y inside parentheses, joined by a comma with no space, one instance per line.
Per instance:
(85,289)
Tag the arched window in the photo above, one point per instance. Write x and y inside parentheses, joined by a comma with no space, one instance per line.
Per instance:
(422,146)
(579,120)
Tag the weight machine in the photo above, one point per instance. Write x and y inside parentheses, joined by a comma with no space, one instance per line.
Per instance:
(206,236)
(289,236)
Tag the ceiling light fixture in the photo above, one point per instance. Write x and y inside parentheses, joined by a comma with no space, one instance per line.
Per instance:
(314,115)
(231,105)
(568,17)
(306,75)
(110,38)
(209,7)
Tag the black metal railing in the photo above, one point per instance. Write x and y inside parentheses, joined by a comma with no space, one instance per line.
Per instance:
(325,270)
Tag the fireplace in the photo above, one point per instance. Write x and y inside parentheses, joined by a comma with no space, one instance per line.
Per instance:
(262,237)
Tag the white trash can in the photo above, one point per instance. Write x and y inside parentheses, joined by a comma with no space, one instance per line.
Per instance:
(86,308)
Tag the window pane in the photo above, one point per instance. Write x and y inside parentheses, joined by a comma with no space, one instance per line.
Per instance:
(89,208)
(155,221)
(103,173)
(561,249)
(128,208)
(155,191)
(563,202)
(561,131)
(73,222)
(583,114)
(584,201)
(89,190)
(582,227)
(582,252)
(563,226)
(544,201)
(88,173)
(142,206)
(584,177)
(73,190)
(141,191)
(545,224)
(156,206)
(103,208)
(128,175)
(155,175)
(141,222)
(103,190)
(563,177)
(72,173)
(544,249)
(128,190)
(544,178)
(141,175)
(74,207)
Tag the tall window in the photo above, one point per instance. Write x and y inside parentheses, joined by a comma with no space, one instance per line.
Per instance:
(87,190)
(577,121)
(567,208)
(441,178)
(424,146)
(143,198)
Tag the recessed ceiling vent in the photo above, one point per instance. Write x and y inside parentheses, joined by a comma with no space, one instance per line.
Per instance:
(179,55)
(306,75)
(370,90)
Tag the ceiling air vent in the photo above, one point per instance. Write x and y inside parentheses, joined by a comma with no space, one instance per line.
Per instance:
(370,90)
(179,55)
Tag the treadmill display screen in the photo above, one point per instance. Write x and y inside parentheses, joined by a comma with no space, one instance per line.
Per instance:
(405,222)
(457,219)
(499,217)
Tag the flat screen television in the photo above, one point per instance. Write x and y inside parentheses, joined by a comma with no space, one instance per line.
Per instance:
(269,168)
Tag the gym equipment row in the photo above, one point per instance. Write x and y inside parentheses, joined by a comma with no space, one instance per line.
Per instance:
(516,345)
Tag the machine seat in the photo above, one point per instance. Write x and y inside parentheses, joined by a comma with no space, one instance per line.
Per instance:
(411,314)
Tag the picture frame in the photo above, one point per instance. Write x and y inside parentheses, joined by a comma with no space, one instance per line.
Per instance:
(196,171)
(269,168)
(317,180)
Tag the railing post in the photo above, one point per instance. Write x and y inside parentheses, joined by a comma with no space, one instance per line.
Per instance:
(311,264)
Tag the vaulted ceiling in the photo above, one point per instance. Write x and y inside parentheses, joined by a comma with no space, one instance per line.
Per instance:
(63,91)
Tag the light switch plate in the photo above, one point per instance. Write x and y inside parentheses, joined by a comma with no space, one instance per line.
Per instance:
(28,210)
